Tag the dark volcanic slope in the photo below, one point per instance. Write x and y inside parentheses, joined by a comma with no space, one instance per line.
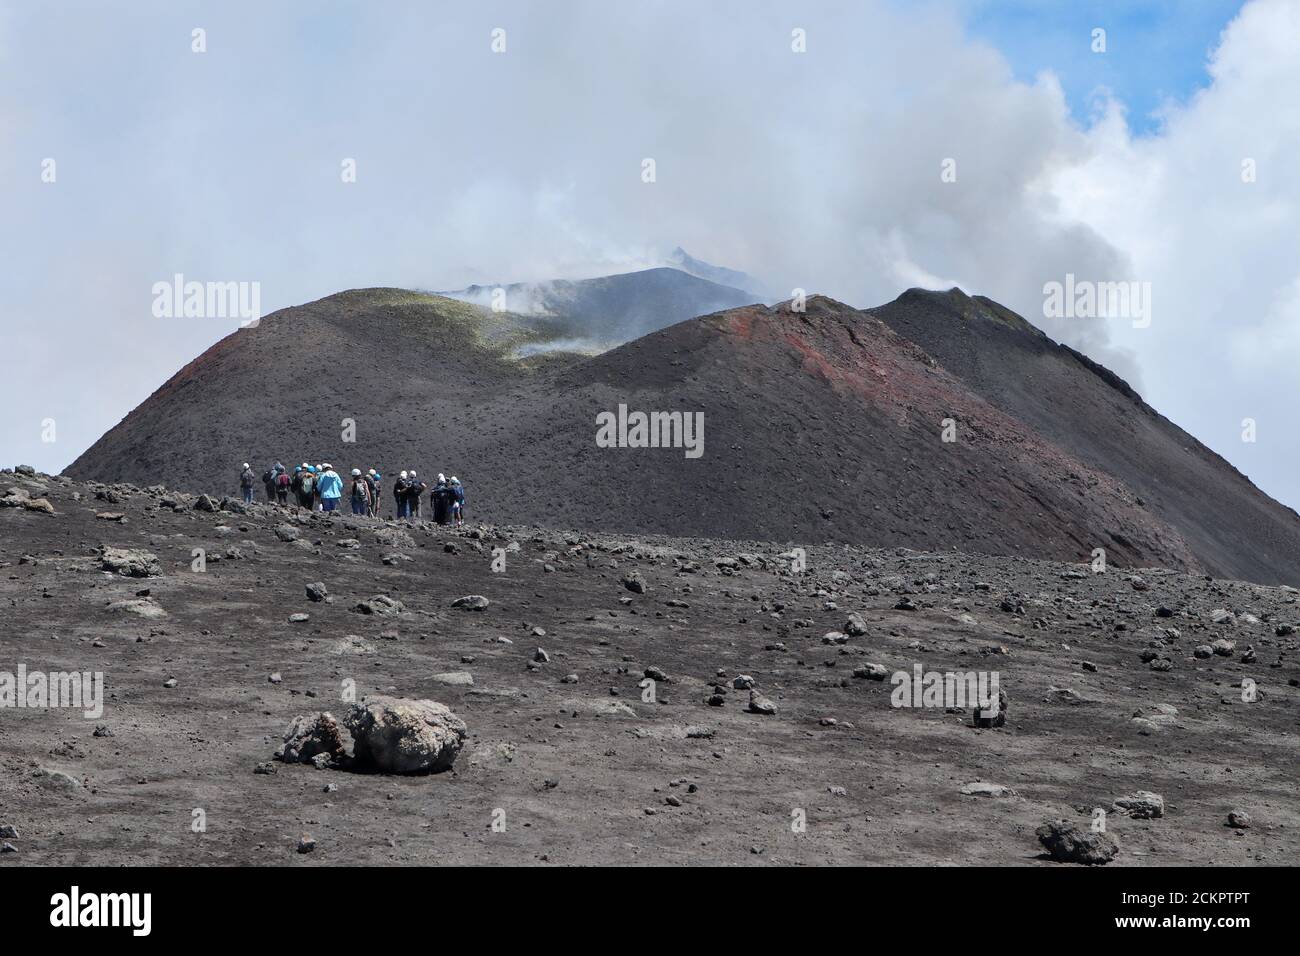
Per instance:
(822,426)
(1234,528)
(826,426)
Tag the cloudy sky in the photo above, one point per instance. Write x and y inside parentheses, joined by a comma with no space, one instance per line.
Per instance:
(819,169)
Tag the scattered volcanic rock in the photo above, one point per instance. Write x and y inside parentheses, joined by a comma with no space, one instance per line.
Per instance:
(998,720)
(1142,805)
(1067,843)
(871,671)
(141,607)
(130,562)
(14,497)
(455,678)
(311,735)
(57,780)
(981,789)
(405,736)
(759,628)
(381,604)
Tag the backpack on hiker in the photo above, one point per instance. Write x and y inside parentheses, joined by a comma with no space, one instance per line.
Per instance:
(360,491)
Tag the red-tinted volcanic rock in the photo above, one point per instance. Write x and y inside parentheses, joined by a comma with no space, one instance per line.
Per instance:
(826,425)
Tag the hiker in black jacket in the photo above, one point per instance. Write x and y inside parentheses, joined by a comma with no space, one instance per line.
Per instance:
(414,491)
(441,498)
(372,490)
(304,486)
(400,487)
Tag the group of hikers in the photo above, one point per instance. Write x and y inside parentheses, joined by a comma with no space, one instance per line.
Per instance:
(321,488)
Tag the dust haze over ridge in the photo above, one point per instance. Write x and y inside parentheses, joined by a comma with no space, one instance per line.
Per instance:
(817,170)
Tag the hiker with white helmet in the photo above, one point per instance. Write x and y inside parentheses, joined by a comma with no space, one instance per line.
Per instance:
(360,493)
(441,500)
(331,488)
(246,479)
(457,500)
(283,482)
(400,487)
(415,490)
(372,492)
(303,485)
(319,472)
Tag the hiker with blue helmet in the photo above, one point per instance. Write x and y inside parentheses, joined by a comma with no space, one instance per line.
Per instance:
(304,485)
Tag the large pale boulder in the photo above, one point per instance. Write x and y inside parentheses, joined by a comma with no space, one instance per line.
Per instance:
(404,736)
(1143,805)
(131,562)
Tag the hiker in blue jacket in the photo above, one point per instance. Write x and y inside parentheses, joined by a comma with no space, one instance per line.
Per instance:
(331,488)
(457,500)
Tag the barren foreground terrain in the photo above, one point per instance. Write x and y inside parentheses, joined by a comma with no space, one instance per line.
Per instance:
(564,761)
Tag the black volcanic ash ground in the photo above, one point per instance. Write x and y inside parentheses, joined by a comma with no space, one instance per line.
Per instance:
(586,771)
